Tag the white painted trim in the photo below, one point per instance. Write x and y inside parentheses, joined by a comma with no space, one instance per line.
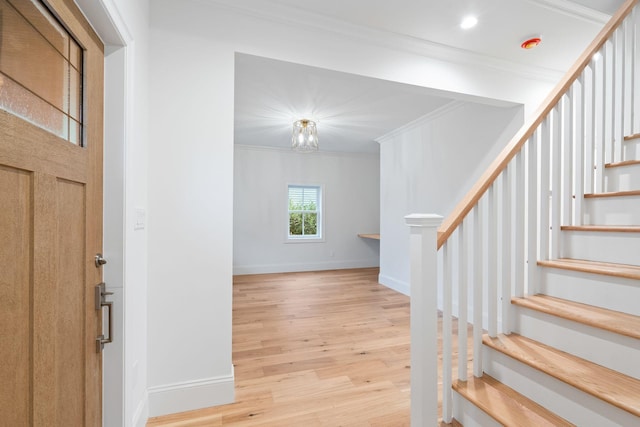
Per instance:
(296,17)
(423,220)
(190,395)
(141,415)
(307,266)
(395,284)
(285,205)
(106,20)
(421,121)
(289,151)
(574,10)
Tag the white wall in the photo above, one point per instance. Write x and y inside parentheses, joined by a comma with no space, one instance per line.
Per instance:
(190,221)
(429,167)
(351,185)
(191,170)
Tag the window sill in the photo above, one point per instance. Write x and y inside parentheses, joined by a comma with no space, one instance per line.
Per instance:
(305,240)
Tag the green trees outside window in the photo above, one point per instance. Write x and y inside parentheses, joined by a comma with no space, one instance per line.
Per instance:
(304,212)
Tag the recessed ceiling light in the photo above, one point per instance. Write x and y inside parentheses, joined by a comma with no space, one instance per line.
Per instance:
(468,22)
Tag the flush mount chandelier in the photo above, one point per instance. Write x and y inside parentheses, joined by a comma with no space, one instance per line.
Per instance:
(305,136)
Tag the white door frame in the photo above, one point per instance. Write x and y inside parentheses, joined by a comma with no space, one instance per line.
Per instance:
(107,21)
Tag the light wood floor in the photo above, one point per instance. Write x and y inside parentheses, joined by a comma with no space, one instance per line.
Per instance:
(315,349)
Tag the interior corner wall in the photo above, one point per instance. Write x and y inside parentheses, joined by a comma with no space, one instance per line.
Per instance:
(429,168)
(351,202)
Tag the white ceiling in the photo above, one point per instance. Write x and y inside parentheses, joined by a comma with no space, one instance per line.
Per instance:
(352,110)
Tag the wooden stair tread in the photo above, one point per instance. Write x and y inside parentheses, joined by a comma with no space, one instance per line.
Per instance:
(605,228)
(630,137)
(603,383)
(625,163)
(608,320)
(506,405)
(605,268)
(612,194)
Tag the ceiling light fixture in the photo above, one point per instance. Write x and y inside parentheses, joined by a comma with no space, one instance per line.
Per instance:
(531,43)
(468,22)
(305,136)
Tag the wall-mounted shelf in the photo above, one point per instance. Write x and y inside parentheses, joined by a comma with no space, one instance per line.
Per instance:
(370,236)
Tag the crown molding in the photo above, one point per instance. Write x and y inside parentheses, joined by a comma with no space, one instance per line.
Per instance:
(285,16)
(574,10)
(421,121)
(320,153)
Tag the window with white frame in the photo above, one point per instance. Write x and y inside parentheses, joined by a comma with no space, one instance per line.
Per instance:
(304,212)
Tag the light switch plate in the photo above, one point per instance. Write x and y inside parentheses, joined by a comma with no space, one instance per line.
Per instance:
(140,219)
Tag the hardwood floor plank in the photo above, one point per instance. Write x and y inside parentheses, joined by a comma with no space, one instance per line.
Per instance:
(328,348)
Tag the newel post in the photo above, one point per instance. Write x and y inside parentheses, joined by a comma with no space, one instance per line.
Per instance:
(424,318)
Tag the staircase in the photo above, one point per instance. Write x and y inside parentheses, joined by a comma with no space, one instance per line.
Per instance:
(543,258)
(573,354)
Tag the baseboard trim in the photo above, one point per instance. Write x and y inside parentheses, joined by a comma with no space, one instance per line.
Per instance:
(291,268)
(395,284)
(190,395)
(141,415)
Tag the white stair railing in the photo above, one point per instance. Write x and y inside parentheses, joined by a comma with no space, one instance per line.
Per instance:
(513,215)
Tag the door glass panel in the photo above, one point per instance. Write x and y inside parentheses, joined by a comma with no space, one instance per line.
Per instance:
(75,93)
(75,54)
(41,19)
(25,104)
(40,68)
(75,132)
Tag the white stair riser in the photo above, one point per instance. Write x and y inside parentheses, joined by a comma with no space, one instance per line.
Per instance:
(622,178)
(469,415)
(568,402)
(605,348)
(632,149)
(613,293)
(612,210)
(621,248)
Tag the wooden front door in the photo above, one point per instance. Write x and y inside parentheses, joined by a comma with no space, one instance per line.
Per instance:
(51,109)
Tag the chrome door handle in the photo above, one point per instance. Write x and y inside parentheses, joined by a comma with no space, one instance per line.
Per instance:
(99,260)
(100,302)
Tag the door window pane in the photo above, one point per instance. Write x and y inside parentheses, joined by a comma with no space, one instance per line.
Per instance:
(40,69)
(25,104)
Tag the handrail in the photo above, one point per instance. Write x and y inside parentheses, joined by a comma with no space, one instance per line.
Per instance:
(515,145)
